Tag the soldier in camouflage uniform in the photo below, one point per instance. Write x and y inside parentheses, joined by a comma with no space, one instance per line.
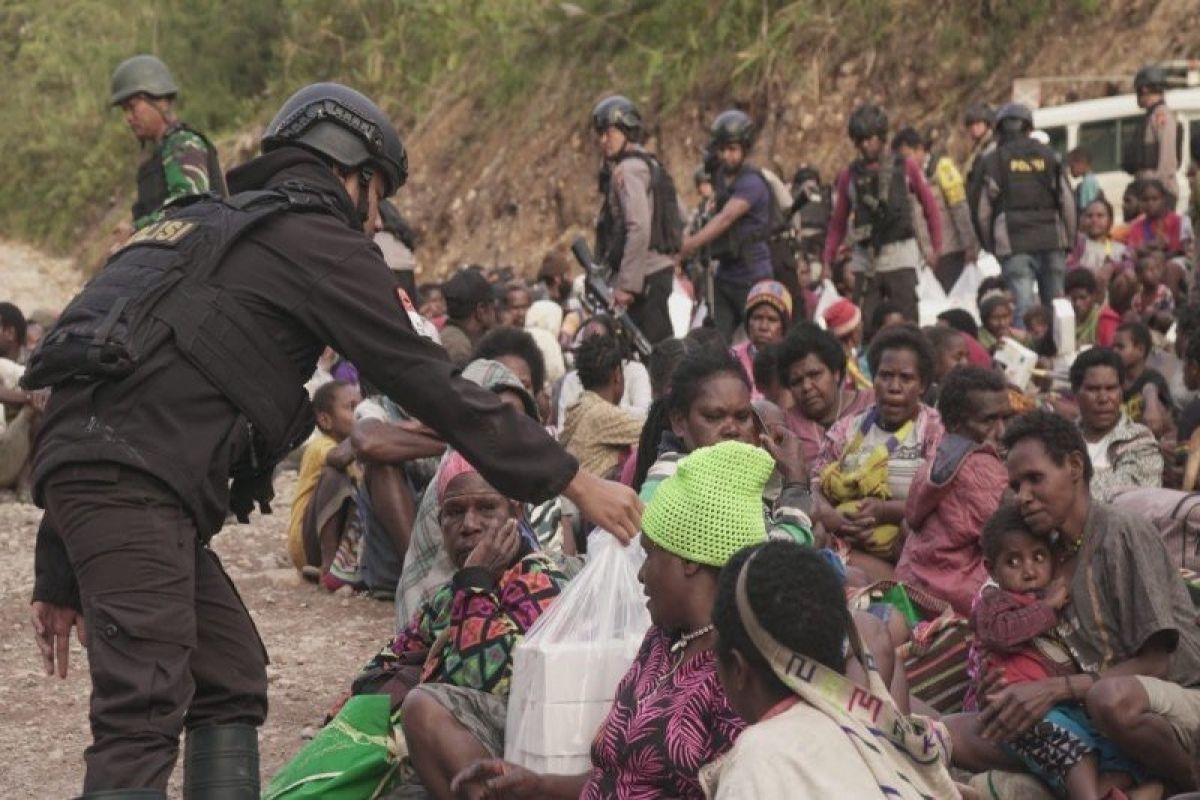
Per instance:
(184,162)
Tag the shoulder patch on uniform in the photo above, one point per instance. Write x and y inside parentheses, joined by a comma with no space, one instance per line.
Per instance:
(1161,117)
(167,233)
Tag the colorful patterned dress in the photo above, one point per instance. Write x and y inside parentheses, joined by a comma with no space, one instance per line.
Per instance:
(668,720)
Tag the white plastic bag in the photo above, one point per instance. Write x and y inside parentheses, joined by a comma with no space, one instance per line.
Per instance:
(566,671)
(931,298)
(827,296)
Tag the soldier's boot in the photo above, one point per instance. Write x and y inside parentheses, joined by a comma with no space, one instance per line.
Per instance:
(220,762)
(125,794)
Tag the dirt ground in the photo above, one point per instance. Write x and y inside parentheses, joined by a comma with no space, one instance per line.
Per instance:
(316,641)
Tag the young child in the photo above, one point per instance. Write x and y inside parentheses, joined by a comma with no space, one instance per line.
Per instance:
(1014,617)
(1079,163)
(1037,323)
(323,517)
(1095,322)
(1153,294)
(996,313)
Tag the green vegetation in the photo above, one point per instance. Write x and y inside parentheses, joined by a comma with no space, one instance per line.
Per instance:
(69,158)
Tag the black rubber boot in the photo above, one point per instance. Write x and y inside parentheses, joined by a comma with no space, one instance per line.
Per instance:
(220,762)
(125,794)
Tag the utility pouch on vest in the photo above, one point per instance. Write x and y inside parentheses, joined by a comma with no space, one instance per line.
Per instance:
(156,289)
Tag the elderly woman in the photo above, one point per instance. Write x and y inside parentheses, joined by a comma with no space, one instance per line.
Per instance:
(1124,454)
(812,366)
(814,731)
(768,315)
(451,664)
(868,461)
(957,490)
(670,716)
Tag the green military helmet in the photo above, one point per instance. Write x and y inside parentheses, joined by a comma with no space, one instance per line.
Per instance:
(142,74)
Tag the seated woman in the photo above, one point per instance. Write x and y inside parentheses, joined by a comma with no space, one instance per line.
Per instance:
(812,366)
(956,492)
(596,431)
(670,716)
(451,664)
(709,402)
(1161,228)
(814,731)
(767,317)
(1123,453)
(867,463)
(1095,250)
(1128,622)
(427,565)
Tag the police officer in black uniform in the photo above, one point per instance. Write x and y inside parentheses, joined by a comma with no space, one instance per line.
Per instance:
(1026,211)
(640,226)
(738,236)
(163,390)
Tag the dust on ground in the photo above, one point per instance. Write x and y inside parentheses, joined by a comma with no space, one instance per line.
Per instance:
(32,280)
(316,641)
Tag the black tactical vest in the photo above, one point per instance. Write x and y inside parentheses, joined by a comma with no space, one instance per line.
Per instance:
(882,208)
(152,178)
(157,289)
(1138,154)
(1028,177)
(734,241)
(666,223)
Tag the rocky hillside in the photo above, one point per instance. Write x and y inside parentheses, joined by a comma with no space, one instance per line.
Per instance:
(493,102)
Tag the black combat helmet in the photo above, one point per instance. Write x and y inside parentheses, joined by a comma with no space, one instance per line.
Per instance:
(1152,77)
(342,125)
(1014,118)
(979,112)
(731,127)
(142,74)
(616,111)
(866,121)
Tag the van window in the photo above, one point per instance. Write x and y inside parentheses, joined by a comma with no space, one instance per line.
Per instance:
(1104,139)
(1058,140)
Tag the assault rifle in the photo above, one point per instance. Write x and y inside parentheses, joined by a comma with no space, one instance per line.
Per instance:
(597,298)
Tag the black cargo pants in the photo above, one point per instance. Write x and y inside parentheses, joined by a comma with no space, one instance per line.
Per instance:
(650,310)
(170,644)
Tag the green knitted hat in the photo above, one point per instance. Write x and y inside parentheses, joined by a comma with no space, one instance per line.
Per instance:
(712,506)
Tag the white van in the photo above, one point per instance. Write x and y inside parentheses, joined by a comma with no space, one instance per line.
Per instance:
(1104,126)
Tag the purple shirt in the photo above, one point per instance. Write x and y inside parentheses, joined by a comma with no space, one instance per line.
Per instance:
(752,262)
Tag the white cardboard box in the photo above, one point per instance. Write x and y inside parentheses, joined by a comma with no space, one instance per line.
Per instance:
(1064,326)
(555,729)
(571,672)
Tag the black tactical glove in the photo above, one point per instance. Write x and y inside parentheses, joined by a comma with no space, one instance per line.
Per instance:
(249,488)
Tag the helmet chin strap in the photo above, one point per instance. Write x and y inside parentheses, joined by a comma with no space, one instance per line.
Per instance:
(362,210)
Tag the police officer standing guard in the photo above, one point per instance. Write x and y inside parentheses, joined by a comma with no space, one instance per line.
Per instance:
(640,225)
(1026,211)
(181,363)
(738,234)
(183,161)
(1155,149)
